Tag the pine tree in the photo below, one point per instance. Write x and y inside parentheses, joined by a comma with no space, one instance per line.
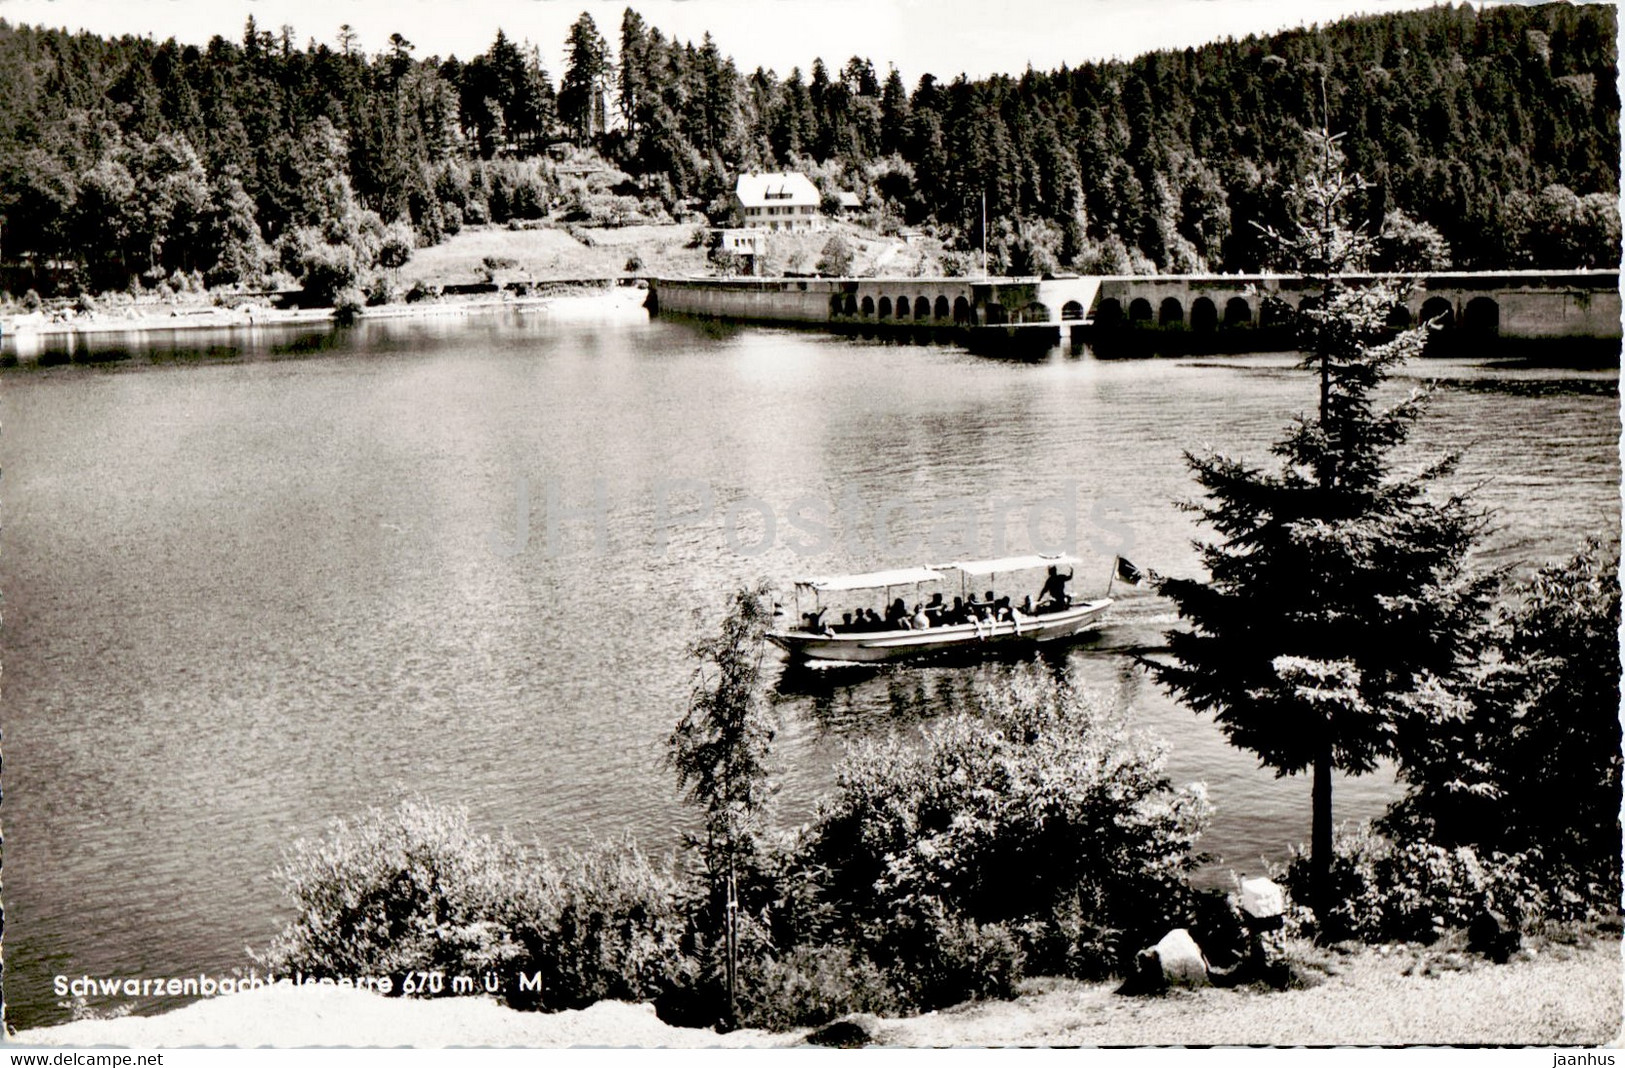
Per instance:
(1335,583)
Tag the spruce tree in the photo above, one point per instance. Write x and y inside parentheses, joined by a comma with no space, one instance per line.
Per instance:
(1335,582)
(586,74)
(721,751)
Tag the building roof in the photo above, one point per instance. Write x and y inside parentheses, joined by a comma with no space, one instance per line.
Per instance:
(778,190)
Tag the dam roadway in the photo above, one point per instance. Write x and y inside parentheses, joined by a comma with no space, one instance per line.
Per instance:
(1159,313)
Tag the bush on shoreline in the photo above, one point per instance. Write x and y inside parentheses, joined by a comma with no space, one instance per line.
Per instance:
(1042,819)
(1038,831)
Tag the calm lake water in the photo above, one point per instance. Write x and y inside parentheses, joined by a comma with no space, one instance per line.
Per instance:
(255,582)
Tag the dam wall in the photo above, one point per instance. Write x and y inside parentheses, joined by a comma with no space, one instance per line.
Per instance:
(1170,313)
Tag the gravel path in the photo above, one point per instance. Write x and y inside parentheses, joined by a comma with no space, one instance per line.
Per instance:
(1565,996)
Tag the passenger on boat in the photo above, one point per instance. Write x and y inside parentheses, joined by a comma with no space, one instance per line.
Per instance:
(1027,605)
(846,621)
(1053,597)
(921,620)
(815,620)
(1001,609)
(897,615)
(958,613)
(935,610)
(872,620)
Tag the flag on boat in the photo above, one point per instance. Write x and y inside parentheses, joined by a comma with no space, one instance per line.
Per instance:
(1127,572)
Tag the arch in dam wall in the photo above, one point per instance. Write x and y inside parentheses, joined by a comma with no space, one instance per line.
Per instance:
(1204,315)
(1171,312)
(1481,317)
(1439,312)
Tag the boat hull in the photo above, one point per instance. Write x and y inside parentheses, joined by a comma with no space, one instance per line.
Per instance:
(875,646)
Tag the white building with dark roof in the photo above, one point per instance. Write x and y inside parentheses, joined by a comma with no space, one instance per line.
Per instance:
(778,202)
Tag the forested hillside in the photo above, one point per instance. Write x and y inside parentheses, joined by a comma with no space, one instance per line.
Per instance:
(1490,137)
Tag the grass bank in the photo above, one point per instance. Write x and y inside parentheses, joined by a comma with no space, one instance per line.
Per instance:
(1558,994)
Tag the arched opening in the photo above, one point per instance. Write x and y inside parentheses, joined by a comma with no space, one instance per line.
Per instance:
(1109,314)
(922,308)
(1437,310)
(961,310)
(902,307)
(1204,316)
(1139,310)
(835,304)
(1399,317)
(868,306)
(995,314)
(1172,313)
(1035,313)
(1481,317)
(884,311)
(851,304)
(1072,310)
(1237,312)
(941,311)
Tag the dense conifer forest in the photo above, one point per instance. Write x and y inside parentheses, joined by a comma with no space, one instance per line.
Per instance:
(1490,138)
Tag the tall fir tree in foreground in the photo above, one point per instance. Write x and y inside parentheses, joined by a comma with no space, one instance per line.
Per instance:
(721,751)
(1335,582)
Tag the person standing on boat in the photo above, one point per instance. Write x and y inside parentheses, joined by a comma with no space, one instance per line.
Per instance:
(1054,590)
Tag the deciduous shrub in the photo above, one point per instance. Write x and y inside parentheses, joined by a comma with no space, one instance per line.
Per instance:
(1407,892)
(409,889)
(348,304)
(415,889)
(420,291)
(601,923)
(837,257)
(812,985)
(1042,805)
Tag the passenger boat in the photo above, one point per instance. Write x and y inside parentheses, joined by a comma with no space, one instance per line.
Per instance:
(852,644)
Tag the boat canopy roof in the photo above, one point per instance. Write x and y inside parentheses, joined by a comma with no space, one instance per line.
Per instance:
(1008,563)
(872,580)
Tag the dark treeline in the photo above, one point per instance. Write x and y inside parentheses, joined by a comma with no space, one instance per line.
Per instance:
(1490,139)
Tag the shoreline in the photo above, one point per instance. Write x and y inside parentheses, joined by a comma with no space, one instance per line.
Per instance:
(26,333)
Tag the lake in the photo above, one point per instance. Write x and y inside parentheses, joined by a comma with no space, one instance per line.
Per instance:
(258,581)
